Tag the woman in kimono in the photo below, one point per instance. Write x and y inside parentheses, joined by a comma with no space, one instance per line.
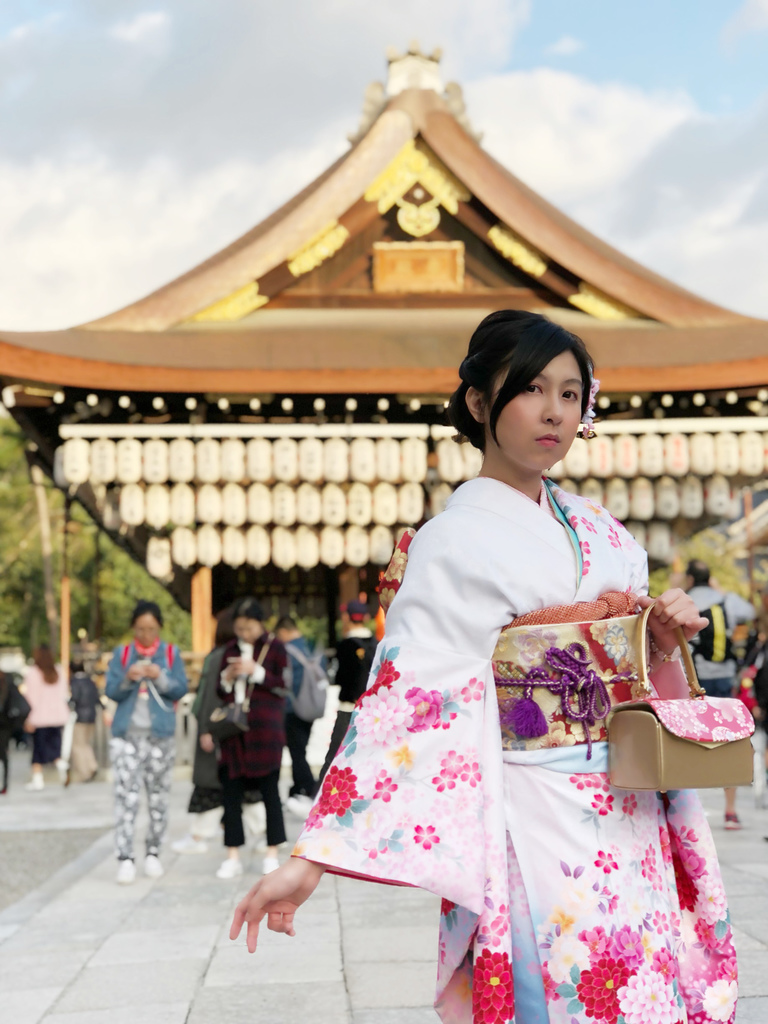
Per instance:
(565,900)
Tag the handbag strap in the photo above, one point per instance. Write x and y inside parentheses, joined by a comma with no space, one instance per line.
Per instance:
(259,661)
(685,652)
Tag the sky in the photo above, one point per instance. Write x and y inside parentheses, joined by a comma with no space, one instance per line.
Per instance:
(137,138)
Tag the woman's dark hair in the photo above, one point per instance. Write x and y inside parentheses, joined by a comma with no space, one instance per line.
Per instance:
(518,344)
(225,627)
(248,608)
(43,658)
(147,608)
(77,665)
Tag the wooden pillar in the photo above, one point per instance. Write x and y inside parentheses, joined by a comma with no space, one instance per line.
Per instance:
(65,607)
(203,623)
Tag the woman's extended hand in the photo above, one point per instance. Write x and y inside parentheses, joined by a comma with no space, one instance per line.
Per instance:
(277,896)
(672,610)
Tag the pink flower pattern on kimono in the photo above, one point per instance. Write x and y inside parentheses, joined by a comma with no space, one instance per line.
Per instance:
(606,861)
(385,786)
(648,998)
(472,691)
(426,836)
(426,706)
(382,717)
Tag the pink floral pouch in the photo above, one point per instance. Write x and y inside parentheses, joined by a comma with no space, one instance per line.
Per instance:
(705,719)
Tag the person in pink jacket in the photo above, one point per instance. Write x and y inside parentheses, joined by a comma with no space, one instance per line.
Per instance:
(45,687)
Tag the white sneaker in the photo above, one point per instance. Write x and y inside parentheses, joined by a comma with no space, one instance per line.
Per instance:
(255,818)
(152,867)
(300,806)
(230,868)
(35,783)
(189,845)
(126,872)
(270,864)
(62,767)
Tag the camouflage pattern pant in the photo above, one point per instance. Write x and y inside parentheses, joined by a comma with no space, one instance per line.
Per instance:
(136,759)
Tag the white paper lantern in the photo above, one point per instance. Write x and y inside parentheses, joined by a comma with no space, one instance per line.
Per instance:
(331,546)
(233,547)
(258,458)
(691,498)
(258,547)
(155,461)
(159,562)
(568,485)
(76,460)
(359,504)
(384,504)
(382,544)
(233,460)
(413,454)
(334,505)
(751,454)
(283,505)
(259,504)
(410,504)
(617,498)
(556,472)
(702,450)
(234,506)
(677,459)
(473,460)
(183,507)
(439,498)
(208,546)
(388,459)
(311,459)
(283,548)
(208,461)
(335,460)
(307,548)
(626,456)
(641,501)
(181,460)
(157,502)
(660,542)
(356,546)
(450,461)
(132,504)
(667,498)
(362,460)
(639,531)
(576,460)
(727,453)
(128,460)
(103,461)
(651,455)
(309,504)
(592,490)
(285,460)
(600,451)
(183,547)
(208,504)
(717,496)
(58,468)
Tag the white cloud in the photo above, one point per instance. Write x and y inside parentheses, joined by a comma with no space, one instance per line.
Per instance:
(147,28)
(752,16)
(25,30)
(565,46)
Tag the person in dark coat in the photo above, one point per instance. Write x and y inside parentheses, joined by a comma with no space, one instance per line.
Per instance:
(85,700)
(13,713)
(254,663)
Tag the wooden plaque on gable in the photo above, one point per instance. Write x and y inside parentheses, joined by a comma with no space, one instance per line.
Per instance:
(418,267)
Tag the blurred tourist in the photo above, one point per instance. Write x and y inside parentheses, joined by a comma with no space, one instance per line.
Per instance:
(297,729)
(85,700)
(145,677)
(45,688)
(14,711)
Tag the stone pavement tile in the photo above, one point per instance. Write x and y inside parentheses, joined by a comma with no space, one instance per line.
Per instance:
(758,869)
(27,1006)
(29,970)
(373,986)
(270,965)
(744,939)
(311,930)
(158,945)
(366,945)
(737,883)
(753,977)
(752,1011)
(7,930)
(160,1013)
(185,915)
(61,925)
(216,892)
(382,914)
(757,929)
(401,1016)
(90,890)
(748,906)
(319,1003)
(119,985)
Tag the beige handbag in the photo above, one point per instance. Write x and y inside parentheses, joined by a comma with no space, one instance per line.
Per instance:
(680,739)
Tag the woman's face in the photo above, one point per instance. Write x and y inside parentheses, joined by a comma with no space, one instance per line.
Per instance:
(248,630)
(536,429)
(146,629)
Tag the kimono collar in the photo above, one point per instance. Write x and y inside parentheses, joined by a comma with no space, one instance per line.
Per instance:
(494,495)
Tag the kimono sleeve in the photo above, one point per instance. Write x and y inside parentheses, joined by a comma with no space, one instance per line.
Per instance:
(406,799)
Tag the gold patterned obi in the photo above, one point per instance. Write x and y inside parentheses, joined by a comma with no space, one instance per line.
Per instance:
(557,683)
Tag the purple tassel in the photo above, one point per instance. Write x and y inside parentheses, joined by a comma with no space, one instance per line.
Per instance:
(526,719)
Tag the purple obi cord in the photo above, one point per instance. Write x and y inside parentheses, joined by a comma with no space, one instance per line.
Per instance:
(583,694)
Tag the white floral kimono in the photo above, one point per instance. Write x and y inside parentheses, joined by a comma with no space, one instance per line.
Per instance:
(565,901)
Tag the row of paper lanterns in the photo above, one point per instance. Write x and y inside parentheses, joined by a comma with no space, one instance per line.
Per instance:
(334,460)
(258,547)
(676,455)
(666,498)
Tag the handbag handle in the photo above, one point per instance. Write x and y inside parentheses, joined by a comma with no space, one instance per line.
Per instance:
(685,652)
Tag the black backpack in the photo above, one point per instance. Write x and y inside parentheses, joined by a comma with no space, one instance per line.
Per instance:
(713,643)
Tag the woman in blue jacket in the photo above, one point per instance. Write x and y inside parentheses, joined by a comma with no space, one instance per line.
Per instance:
(145,678)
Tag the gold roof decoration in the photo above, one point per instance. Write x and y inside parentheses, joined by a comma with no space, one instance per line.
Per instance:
(599,305)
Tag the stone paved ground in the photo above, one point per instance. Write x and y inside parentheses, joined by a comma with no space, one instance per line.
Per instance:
(80,950)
